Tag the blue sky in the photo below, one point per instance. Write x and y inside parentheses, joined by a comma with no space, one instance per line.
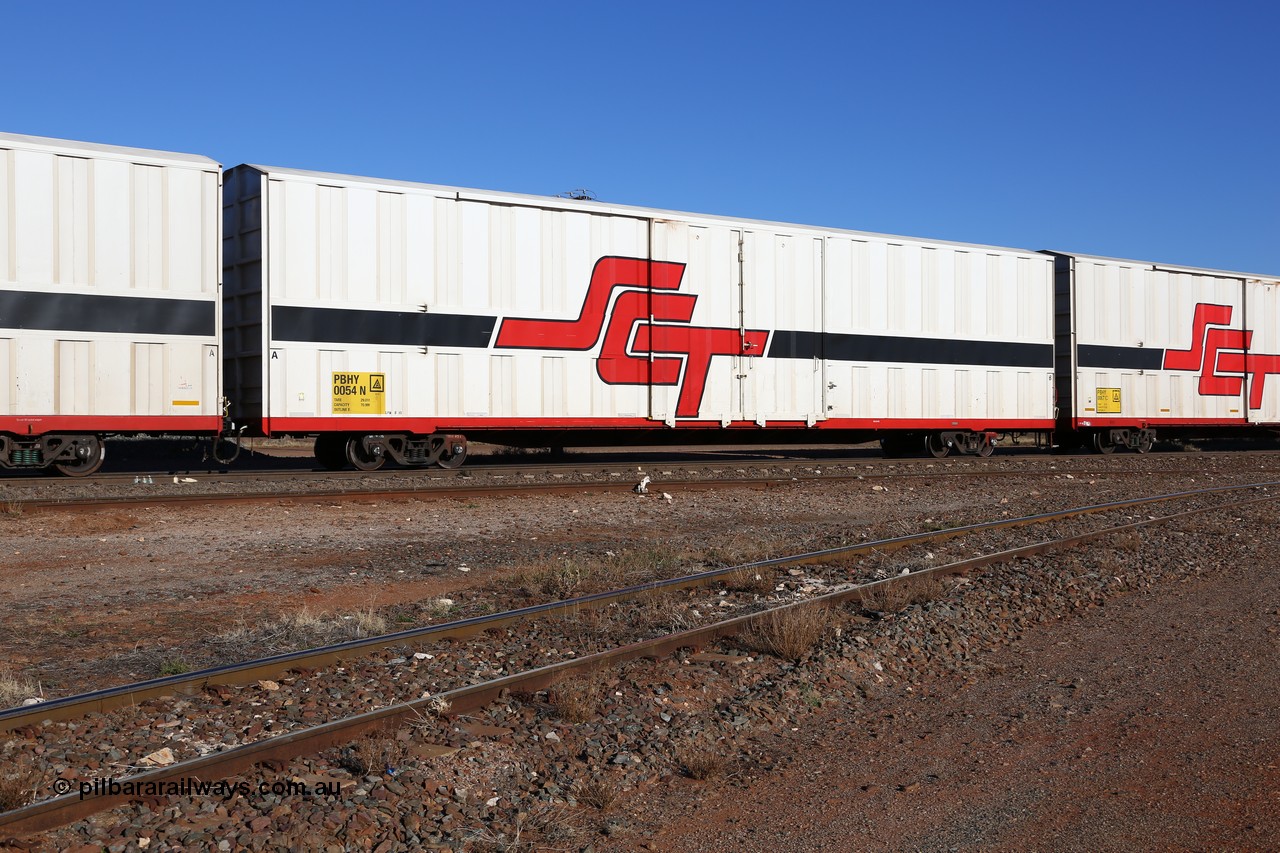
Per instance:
(1132,129)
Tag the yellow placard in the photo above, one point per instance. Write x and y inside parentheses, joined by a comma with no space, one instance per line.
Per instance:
(359,393)
(1108,401)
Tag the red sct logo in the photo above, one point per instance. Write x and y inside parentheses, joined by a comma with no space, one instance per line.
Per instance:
(648,337)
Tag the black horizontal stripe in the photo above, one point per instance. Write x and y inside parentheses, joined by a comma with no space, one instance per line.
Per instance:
(1132,358)
(889,348)
(390,328)
(133,315)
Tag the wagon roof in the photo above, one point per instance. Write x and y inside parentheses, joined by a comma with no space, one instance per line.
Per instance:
(610,208)
(1168,267)
(95,149)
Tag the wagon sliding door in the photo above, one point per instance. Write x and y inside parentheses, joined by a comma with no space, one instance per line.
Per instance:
(694,345)
(780,293)
(1262,366)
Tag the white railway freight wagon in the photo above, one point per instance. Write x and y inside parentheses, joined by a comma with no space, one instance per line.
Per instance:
(110,310)
(395,319)
(1145,347)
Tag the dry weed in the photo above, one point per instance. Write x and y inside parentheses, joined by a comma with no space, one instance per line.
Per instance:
(742,548)
(791,633)
(14,689)
(366,623)
(18,788)
(577,698)
(701,761)
(750,579)
(534,830)
(574,577)
(582,625)
(661,610)
(598,792)
(305,628)
(1130,540)
(381,751)
(899,594)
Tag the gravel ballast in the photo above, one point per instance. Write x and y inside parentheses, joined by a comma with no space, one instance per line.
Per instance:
(1031,707)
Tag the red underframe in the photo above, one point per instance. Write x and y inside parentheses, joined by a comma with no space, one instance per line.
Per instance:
(1168,422)
(41,424)
(424,427)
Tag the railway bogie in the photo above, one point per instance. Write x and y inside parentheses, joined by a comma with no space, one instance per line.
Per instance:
(71,455)
(369,452)
(940,444)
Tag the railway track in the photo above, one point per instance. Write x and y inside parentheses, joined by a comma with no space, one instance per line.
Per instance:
(47,494)
(532,677)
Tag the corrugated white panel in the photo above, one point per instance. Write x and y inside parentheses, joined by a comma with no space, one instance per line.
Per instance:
(553,387)
(930,405)
(318,400)
(391,248)
(328,253)
(75,378)
(392,366)
(472,256)
(474,365)
(903,288)
(968,404)
(448,376)
(288,206)
(1129,304)
(71,177)
(361,227)
(580,377)
(938,266)
(6,215)
(6,365)
(502,387)
(32,225)
(938,291)
(1263,317)
(520,257)
(307,387)
(210,274)
(1001,394)
(871,387)
(211,396)
(1033,319)
(420,248)
(971,294)
(999,293)
(34,375)
(111,385)
(185,233)
(148,227)
(112,215)
(106,223)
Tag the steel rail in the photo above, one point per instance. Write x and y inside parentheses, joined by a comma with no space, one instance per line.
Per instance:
(453,485)
(59,811)
(248,672)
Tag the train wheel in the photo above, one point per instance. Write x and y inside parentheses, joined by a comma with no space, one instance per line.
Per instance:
(361,459)
(331,451)
(986,448)
(453,459)
(90,453)
(937,447)
(1144,444)
(1101,443)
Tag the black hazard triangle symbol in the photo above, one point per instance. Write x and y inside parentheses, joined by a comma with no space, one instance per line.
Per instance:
(375,383)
